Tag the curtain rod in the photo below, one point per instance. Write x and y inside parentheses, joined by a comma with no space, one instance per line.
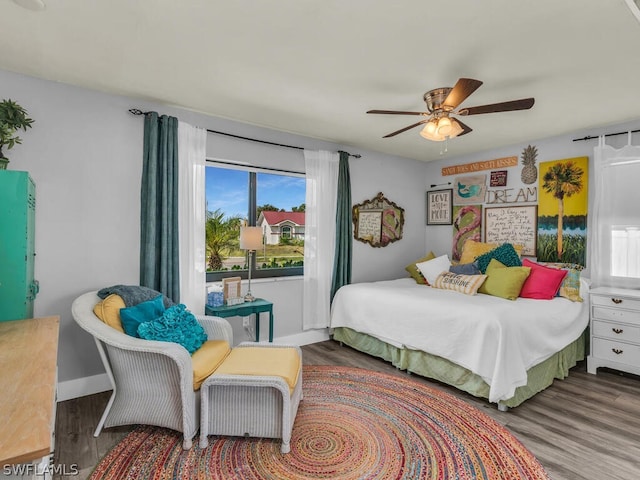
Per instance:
(136,111)
(606,135)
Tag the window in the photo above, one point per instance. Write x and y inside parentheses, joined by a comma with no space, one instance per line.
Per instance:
(273,201)
(625,251)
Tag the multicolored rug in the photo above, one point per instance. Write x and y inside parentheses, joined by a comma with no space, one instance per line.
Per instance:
(352,424)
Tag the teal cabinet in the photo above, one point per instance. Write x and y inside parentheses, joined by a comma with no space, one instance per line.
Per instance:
(18,289)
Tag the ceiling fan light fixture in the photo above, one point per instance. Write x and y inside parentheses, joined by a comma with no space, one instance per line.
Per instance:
(430,131)
(444,127)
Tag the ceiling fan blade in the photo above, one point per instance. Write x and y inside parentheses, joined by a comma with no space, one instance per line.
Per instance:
(465,128)
(397,112)
(459,93)
(392,134)
(522,104)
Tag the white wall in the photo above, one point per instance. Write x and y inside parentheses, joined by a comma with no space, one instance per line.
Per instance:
(84,153)
(439,238)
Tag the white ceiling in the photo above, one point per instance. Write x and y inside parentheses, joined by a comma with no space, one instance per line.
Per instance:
(314,67)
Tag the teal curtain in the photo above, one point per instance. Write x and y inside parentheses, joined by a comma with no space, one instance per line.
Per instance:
(159,261)
(344,240)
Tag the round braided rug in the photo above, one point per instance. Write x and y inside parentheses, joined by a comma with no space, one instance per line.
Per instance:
(352,424)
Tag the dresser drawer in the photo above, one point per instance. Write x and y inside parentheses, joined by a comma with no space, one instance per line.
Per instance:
(616,315)
(616,351)
(616,331)
(613,301)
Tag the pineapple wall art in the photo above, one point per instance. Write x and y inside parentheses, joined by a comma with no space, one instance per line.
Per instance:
(562,210)
(529,172)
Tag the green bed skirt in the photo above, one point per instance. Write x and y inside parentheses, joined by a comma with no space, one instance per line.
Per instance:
(539,376)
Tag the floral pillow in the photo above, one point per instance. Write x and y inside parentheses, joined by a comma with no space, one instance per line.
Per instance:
(570,286)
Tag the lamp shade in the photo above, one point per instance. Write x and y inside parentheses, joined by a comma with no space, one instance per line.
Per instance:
(250,238)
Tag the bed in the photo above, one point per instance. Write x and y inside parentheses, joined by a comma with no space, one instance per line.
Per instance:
(503,350)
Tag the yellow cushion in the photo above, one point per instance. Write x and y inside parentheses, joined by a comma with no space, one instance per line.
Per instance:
(207,359)
(473,249)
(108,310)
(263,361)
(415,273)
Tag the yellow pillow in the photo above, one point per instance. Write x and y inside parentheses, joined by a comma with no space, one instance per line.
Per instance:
(473,249)
(207,359)
(415,273)
(108,310)
(502,281)
(264,361)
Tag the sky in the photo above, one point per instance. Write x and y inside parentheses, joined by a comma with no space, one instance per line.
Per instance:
(227,190)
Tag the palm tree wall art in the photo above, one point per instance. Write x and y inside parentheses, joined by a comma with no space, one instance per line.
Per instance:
(562,210)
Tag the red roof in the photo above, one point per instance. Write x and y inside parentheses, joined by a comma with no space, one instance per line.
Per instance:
(274,218)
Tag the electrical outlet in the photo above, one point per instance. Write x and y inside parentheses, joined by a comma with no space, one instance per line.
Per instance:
(246,322)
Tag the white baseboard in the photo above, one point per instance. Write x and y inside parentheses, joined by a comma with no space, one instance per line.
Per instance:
(80,387)
(305,338)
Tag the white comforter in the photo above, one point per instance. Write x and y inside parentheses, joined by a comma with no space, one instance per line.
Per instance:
(495,338)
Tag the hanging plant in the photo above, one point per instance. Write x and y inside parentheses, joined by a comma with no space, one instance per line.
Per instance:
(12,118)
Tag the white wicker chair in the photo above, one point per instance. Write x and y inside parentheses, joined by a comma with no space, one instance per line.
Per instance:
(152,381)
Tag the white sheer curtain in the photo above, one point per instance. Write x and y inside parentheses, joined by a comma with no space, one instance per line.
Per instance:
(321,169)
(615,245)
(192,146)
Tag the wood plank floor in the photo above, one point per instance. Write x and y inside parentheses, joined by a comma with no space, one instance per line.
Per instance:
(586,427)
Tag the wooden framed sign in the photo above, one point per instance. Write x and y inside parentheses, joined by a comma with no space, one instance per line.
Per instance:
(440,207)
(515,224)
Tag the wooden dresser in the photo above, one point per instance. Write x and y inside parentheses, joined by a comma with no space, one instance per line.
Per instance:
(615,329)
(28,357)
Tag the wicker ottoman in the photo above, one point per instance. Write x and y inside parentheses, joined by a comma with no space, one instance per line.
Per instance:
(254,393)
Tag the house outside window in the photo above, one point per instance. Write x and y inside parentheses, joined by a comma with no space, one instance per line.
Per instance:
(274,201)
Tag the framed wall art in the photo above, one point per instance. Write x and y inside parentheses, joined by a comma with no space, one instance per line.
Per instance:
(440,207)
(378,221)
(514,224)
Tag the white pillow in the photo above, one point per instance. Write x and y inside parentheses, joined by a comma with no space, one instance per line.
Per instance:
(432,268)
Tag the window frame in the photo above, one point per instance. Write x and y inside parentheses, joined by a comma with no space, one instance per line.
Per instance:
(251,221)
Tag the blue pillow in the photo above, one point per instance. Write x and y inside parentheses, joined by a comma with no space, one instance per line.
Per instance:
(176,324)
(132,317)
(505,254)
(465,269)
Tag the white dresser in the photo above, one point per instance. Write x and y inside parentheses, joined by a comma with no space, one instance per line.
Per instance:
(615,329)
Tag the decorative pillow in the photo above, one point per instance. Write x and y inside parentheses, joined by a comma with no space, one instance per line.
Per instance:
(176,324)
(543,282)
(472,249)
(467,284)
(465,269)
(132,317)
(570,286)
(415,273)
(432,268)
(502,281)
(108,310)
(505,254)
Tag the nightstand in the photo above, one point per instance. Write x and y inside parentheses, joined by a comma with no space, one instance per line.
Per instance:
(244,310)
(615,329)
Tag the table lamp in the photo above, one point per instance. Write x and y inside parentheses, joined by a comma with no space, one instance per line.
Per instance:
(251,240)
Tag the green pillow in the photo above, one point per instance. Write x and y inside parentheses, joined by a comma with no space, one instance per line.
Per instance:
(413,269)
(132,317)
(502,281)
(505,254)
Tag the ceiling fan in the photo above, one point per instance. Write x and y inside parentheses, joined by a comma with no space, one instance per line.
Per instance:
(442,104)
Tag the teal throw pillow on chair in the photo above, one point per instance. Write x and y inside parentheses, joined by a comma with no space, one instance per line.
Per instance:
(176,324)
(132,317)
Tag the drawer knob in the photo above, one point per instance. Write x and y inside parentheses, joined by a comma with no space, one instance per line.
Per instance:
(617,301)
(617,351)
(617,330)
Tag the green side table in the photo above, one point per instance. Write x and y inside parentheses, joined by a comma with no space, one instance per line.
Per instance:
(244,310)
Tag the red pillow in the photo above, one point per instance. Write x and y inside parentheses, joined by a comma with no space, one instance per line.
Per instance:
(543,282)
